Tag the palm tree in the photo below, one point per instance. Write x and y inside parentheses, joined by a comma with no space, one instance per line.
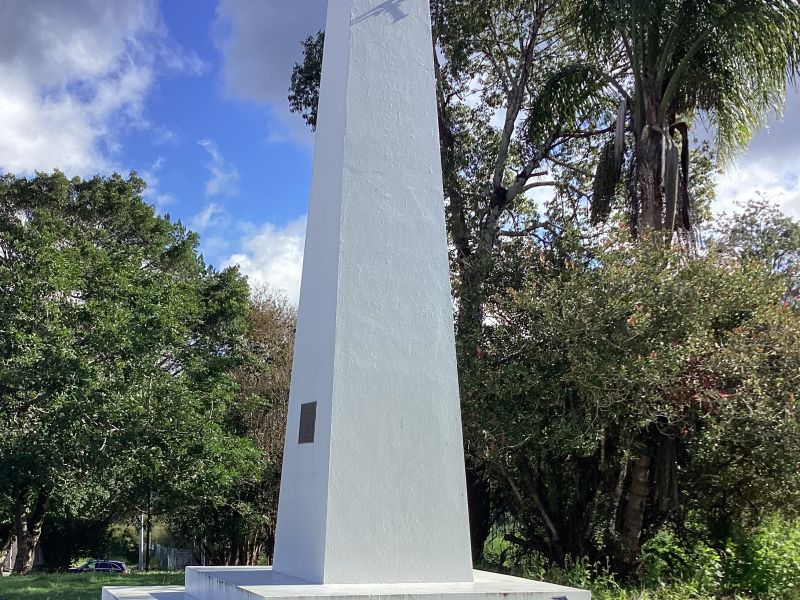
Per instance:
(730,60)
(663,63)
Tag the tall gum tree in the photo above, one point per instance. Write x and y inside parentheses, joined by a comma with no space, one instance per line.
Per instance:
(491,61)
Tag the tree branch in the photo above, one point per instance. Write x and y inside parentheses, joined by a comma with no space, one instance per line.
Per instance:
(523,176)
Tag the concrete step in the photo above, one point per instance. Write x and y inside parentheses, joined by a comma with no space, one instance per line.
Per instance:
(261,583)
(165,592)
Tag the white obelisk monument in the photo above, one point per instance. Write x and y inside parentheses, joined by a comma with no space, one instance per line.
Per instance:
(378,494)
(373,500)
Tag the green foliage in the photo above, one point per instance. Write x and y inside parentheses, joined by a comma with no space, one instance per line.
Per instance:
(702,182)
(65,538)
(766,562)
(567,95)
(606,353)
(304,90)
(759,564)
(123,544)
(241,528)
(116,352)
(671,559)
(760,233)
(604,585)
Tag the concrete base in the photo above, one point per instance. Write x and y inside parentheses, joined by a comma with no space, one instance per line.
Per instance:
(259,583)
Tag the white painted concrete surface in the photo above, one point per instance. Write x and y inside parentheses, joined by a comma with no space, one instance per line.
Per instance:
(243,583)
(379,497)
(166,592)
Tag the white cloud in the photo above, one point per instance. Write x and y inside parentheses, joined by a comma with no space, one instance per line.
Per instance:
(273,256)
(224,179)
(779,183)
(161,201)
(260,42)
(216,246)
(162,135)
(211,215)
(770,167)
(153,194)
(73,75)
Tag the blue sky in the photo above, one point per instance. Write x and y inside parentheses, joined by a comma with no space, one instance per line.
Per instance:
(192,95)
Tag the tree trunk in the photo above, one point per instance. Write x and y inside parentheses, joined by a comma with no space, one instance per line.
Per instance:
(630,530)
(556,546)
(148,526)
(664,475)
(479,504)
(269,545)
(23,563)
(651,179)
(28,529)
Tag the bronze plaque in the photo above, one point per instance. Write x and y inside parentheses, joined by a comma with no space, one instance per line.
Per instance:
(308,421)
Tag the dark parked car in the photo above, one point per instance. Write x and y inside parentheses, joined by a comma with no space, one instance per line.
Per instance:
(101,566)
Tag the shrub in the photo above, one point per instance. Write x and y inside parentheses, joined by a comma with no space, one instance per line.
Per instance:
(766,563)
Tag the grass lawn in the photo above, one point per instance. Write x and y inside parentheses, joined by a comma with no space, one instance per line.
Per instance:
(80,586)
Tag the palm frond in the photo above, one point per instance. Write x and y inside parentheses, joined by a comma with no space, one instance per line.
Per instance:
(568,92)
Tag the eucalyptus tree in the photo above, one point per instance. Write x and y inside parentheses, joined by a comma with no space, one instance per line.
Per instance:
(492,59)
(761,232)
(729,60)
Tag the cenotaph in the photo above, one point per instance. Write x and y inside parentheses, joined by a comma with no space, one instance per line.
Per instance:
(373,500)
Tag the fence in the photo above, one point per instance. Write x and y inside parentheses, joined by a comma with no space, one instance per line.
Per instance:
(174,559)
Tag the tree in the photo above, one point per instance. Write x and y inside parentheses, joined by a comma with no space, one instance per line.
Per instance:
(117,343)
(626,386)
(6,526)
(730,60)
(241,529)
(761,233)
(491,60)
(529,97)
(304,88)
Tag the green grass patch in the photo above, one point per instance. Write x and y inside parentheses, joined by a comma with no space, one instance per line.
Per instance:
(78,586)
